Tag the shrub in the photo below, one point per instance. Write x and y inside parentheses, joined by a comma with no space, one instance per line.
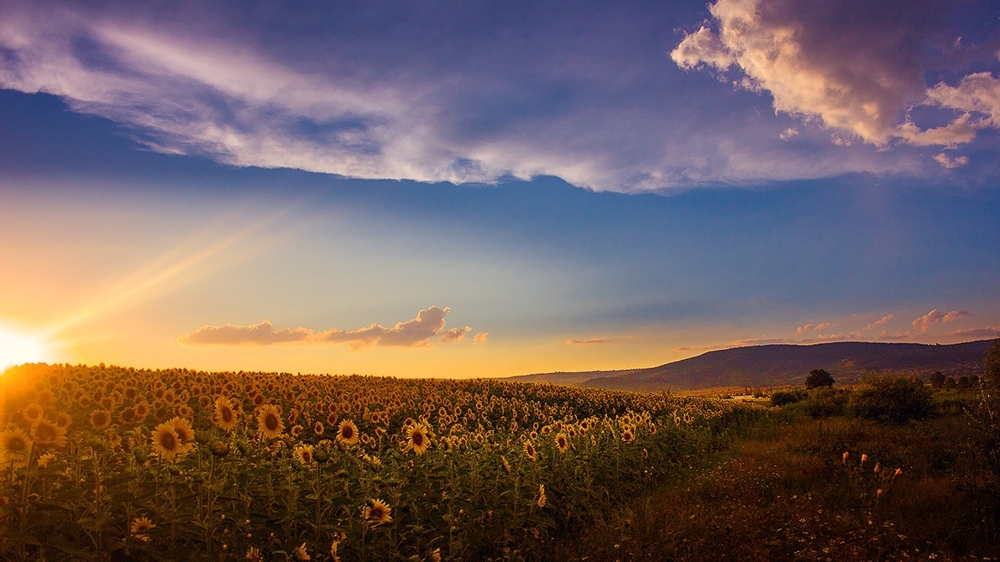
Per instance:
(826,402)
(891,398)
(786,397)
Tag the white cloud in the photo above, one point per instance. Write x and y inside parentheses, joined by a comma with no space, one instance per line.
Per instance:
(951,163)
(923,323)
(845,64)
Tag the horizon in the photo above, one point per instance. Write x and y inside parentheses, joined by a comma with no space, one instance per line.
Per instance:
(473,191)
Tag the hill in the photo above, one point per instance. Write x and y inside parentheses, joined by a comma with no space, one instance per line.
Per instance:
(773,365)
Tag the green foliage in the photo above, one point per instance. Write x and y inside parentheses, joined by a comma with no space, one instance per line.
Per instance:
(937,380)
(827,402)
(891,398)
(818,378)
(786,397)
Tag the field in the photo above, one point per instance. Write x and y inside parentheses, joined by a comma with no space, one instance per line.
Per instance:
(111,463)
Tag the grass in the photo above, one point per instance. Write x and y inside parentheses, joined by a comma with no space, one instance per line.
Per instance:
(785,491)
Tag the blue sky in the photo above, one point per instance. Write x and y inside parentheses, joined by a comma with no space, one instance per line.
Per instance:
(490,189)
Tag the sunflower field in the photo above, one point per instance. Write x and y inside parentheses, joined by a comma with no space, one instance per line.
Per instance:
(112,463)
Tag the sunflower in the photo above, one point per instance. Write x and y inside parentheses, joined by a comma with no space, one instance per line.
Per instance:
(303,454)
(100,419)
(529,450)
(628,436)
(63,420)
(225,414)
(139,526)
(347,433)
(318,428)
(183,429)
(14,442)
(48,434)
(167,443)
(32,413)
(378,513)
(418,439)
(301,553)
(561,442)
(542,500)
(269,424)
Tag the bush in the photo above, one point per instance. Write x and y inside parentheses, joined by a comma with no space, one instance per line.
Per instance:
(891,398)
(786,397)
(826,402)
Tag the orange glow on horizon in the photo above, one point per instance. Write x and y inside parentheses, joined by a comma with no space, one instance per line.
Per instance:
(17,348)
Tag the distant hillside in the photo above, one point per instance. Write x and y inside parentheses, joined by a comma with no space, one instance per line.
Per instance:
(771,365)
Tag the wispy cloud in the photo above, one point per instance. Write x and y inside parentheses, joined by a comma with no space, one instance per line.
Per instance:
(383,98)
(591,341)
(428,324)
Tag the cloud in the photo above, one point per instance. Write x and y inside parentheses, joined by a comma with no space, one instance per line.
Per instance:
(923,323)
(852,65)
(880,322)
(231,334)
(949,163)
(583,93)
(813,328)
(428,324)
(591,341)
(480,338)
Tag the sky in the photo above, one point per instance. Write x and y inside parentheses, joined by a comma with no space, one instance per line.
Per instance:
(471,189)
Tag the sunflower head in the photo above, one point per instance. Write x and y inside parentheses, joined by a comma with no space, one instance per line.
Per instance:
(225,413)
(100,419)
(347,433)
(378,513)
(48,434)
(14,443)
(269,424)
(418,440)
(529,450)
(561,442)
(167,443)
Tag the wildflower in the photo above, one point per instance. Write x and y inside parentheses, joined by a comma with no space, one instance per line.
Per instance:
(100,419)
(14,443)
(541,496)
(48,434)
(303,454)
(877,467)
(225,414)
(300,552)
(561,442)
(139,527)
(378,513)
(864,457)
(843,459)
(347,433)
(505,464)
(418,439)
(167,443)
(529,450)
(269,424)
(254,555)
(897,473)
(435,555)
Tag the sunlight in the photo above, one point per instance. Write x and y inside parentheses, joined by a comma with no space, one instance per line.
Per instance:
(17,348)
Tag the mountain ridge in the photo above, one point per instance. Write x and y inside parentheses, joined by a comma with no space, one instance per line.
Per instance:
(782,364)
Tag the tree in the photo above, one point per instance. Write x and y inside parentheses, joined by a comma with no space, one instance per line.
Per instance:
(937,380)
(818,378)
(991,366)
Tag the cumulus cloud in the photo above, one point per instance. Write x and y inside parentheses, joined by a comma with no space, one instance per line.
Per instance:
(813,328)
(923,323)
(480,338)
(855,66)
(880,322)
(231,334)
(428,324)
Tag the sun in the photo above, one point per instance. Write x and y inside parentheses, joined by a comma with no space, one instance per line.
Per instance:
(17,348)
